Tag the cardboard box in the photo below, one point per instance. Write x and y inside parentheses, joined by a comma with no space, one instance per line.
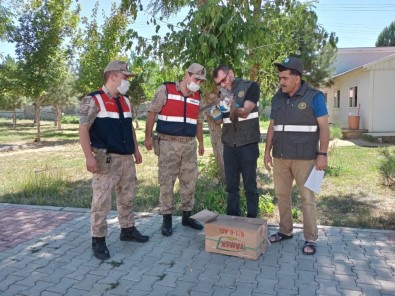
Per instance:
(234,236)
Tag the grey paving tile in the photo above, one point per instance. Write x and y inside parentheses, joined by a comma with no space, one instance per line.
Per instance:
(286,282)
(123,287)
(182,288)
(146,283)
(15,289)
(63,286)
(306,278)
(347,282)
(48,293)
(327,287)
(366,277)
(306,289)
(223,291)
(387,287)
(244,288)
(204,285)
(191,274)
(344,292)
(60,262)
(370,290)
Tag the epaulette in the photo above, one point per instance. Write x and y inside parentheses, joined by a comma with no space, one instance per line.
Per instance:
(97,92)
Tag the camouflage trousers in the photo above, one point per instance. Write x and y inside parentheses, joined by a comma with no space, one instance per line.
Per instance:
(121,176)
(177,160)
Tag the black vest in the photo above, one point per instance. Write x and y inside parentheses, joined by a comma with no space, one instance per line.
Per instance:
(112,128)
(296,131)
(247,130)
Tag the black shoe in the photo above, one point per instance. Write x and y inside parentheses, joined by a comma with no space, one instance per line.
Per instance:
(188,221)
(132,234)
(167,225)
(99,248)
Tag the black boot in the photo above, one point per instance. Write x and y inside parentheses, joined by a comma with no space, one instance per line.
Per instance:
(188,221)
(167,229)
(132,234)
(99,248)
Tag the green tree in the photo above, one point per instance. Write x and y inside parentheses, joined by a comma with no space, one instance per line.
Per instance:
(10,87)
(39,38)
(137,95)
(6,24)
(150,75)
(99,46)
(247,35)
(387,36)
(61,95)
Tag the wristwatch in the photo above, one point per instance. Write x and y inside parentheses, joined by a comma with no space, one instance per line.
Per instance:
(321,153)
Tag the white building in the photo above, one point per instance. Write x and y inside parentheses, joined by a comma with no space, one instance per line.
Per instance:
(363,85)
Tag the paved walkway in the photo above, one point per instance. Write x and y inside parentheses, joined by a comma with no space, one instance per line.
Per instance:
(47,251)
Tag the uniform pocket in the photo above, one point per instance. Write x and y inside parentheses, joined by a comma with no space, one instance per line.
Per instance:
(104,162)
(155,143)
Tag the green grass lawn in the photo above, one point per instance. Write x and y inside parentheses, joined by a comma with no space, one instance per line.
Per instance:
(53,173)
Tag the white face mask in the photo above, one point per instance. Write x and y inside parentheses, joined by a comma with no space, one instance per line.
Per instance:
(123,88)
(193,87)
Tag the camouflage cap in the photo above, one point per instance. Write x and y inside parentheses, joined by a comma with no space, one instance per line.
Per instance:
(198,70)
(119,66)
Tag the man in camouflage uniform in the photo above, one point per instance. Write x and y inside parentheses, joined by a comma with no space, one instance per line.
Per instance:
(179,122)
(108,140)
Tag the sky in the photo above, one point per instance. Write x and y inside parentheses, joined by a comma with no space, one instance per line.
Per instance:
(357,23)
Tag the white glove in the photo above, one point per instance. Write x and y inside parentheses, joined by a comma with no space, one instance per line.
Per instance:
(215,112)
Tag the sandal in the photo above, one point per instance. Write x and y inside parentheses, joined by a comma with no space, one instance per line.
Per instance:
(311,245)
(278,237)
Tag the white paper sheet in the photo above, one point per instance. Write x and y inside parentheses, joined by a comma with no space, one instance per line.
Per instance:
(314,180)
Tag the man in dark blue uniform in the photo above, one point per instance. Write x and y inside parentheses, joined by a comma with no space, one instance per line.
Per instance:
(240,137)
(298,137)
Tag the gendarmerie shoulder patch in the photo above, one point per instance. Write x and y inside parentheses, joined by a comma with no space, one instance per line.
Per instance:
(240,94)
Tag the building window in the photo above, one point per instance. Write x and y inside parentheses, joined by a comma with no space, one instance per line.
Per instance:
(353,97)
(326,97)
(336,97)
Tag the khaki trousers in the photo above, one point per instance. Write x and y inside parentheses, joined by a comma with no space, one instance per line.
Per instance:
(121,176)
(177,160)
(285,171)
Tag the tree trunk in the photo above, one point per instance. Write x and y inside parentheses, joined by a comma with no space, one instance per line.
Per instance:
(55,115)
(59,116)
(37,120)
(14,119)
(136,110)
(215,136)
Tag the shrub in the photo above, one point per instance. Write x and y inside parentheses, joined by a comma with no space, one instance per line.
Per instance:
(333,170)
(369,138)
(70,119)
(387,168)
(210,169)
(335,132)
(266,205)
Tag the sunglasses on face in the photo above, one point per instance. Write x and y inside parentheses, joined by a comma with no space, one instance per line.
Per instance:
(223,79)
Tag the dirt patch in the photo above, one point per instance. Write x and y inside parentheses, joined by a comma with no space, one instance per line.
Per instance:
(356,142)
(41,146)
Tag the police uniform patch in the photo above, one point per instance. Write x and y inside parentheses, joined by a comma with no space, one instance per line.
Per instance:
(240,94)
(302,106)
